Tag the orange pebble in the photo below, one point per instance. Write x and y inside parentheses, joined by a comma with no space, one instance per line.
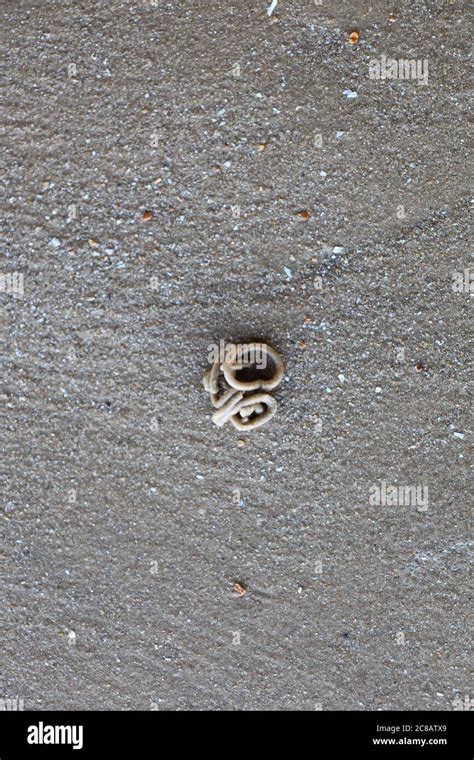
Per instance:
(304,214)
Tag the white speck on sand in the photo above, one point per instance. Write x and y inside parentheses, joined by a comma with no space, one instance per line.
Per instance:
(272,7)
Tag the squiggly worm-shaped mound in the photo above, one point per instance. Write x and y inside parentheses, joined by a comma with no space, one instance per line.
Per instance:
(237,362)
(232,397)
(262,405)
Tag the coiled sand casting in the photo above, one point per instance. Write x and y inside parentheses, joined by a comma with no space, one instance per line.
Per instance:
(246,403)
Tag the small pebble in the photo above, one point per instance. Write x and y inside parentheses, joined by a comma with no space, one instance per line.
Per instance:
(241,442)
(350,93)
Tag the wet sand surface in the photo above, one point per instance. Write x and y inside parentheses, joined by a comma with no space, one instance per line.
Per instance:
(127,515)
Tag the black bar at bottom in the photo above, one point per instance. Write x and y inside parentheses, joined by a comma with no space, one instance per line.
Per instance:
(99,734)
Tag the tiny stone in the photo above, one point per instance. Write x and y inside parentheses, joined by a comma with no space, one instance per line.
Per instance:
(304,214)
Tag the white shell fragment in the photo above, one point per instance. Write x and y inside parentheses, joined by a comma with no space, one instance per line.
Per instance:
(235,399)
(272,7)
